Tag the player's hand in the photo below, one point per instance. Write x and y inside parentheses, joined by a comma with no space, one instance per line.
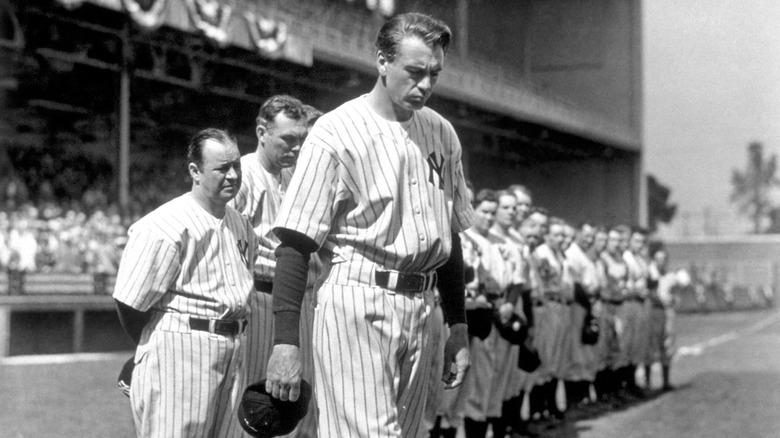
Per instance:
(456,356)
(126,376)
(505,312)
(283,379)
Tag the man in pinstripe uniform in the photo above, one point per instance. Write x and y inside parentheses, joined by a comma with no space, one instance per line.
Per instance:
(181,293)
(281,127)
(379,192)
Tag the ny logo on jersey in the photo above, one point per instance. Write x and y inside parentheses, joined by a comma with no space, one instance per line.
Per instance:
(243,249)
(436,164)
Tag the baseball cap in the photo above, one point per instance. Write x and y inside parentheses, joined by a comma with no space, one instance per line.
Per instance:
(263,416)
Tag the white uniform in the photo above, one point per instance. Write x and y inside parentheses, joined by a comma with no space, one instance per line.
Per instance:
(388,196)
(583,357)
(637,308)
(552,318)
(613,296)
(181,263)
(259,199)
(661,346)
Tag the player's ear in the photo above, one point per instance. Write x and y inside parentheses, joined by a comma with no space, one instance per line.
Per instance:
(194,171)
(261,130)
(381,63)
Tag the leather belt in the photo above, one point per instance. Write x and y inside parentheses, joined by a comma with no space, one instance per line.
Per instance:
(616,302)
(218,326)
(405,282)
(265,286)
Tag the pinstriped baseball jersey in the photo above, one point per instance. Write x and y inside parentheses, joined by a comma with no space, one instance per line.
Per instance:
(181,259)
(388,193)
(259,199)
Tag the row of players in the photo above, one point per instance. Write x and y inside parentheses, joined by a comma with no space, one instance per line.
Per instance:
(579,306)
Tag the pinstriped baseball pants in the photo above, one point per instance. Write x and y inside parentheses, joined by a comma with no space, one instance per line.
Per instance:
(185,384)
(372,361)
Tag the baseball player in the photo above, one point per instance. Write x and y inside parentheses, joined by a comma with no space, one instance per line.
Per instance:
(181,292)
(635,312)
(661,347)
(281,128)
(552,314)
(509,381)
(379,191)
(451,408)
(613,299)
(584,272)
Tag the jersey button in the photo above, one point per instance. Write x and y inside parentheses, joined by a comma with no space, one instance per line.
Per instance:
(414,182)
(417,210)
(422,237)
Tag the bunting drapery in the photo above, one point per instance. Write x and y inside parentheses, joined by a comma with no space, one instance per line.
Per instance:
(149,16)
(15,38)
(268,36)
(211,18)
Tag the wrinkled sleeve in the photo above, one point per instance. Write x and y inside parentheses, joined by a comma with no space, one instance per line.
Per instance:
(309,203)
(149,267)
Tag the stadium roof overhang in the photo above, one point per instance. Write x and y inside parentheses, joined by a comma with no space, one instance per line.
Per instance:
(277,33)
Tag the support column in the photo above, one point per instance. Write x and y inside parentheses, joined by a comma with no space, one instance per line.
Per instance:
(78,330)
(5,331)
(124,123)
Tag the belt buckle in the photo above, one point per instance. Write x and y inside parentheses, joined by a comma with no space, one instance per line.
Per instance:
(415,282)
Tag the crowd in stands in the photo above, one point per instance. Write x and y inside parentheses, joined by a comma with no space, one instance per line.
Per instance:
(53,239)
(43,232)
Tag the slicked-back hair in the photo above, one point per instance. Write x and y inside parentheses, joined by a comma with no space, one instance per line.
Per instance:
(195,148)
(554,220)
(541,210)
(312,114)
(520,188)
(584,224)
(485,195)
(433,32)
(280,103)
(639,230)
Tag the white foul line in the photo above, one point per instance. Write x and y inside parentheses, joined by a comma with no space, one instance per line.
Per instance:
(698,348)
(47,359)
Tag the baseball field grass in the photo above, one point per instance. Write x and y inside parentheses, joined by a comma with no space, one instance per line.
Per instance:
(63,396)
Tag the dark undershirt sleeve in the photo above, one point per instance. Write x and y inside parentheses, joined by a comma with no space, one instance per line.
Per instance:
(292,266)
(451,284)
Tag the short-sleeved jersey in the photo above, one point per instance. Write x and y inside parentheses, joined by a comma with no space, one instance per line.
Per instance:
(471,258)
(181,259)
(617,277)
(512,253)
(583,269)
(259,199)
(552,271)
(370,190)
(493,271)
(637,273)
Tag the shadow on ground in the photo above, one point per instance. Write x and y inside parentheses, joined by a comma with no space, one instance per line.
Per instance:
(575,421)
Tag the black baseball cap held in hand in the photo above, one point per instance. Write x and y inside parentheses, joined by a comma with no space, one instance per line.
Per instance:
(263,416)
